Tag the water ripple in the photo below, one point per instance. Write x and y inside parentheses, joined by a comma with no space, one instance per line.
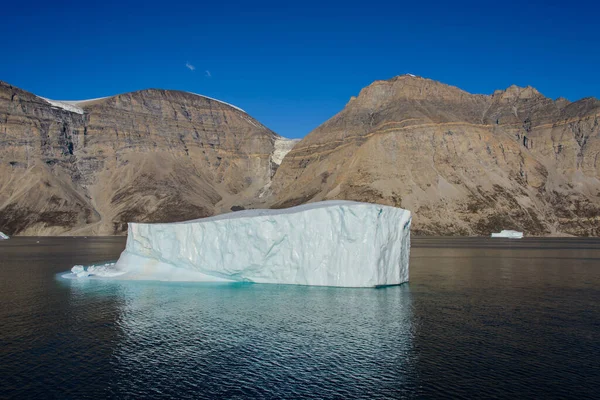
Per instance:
(479,319)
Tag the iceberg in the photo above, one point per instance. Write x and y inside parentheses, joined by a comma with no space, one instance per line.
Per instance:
(329,243)
(508,234)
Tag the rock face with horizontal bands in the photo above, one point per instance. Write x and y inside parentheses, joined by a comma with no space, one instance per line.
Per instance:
(464,164)
(152,155)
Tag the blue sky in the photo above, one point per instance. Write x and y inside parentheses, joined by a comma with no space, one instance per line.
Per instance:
(293,65)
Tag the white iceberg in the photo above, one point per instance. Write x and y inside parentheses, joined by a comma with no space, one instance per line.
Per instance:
(4,236)
(330,243)
(508,234)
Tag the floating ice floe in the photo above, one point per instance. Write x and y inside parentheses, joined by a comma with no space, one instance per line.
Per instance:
(106,270)
(508,234)
(331,243)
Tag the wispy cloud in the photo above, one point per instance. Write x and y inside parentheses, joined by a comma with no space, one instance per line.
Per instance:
(190,66)
(207,74)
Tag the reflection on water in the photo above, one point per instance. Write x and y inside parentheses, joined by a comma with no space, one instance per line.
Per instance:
(262,340)
(479,319)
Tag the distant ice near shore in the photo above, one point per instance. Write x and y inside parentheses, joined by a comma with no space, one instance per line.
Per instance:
(331,243)
(508,234)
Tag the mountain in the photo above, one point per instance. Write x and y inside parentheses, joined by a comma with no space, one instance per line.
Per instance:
(89,167)
(465,164)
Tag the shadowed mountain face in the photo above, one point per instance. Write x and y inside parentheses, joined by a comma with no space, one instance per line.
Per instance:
(464,164)
(153,155)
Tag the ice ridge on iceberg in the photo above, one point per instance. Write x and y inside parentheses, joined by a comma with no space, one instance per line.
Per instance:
(330,243)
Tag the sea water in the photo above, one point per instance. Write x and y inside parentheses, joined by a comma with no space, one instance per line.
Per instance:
(480,318)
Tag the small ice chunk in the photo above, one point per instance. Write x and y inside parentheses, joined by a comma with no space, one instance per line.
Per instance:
(107,270)
(508,234)
(80,271)
(77,269)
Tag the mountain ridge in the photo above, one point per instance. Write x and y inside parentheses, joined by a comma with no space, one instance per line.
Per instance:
(150,155)
(465,164)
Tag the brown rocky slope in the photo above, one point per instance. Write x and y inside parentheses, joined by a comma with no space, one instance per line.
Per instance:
(88,168)
(464,164)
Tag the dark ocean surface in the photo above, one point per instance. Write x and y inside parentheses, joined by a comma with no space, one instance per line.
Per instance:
(480,318)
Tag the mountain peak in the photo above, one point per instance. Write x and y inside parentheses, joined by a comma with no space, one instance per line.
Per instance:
(407,86)
(514,92)
(406,76)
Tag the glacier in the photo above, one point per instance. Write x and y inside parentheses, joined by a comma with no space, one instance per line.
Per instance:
(329,243)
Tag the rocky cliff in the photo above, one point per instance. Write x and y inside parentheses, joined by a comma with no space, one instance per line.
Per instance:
(464,164)
(90,167)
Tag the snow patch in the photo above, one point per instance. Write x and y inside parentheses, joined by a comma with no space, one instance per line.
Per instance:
(222,102)
(250,122)
(72,107)
(77,102)
(282,146)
